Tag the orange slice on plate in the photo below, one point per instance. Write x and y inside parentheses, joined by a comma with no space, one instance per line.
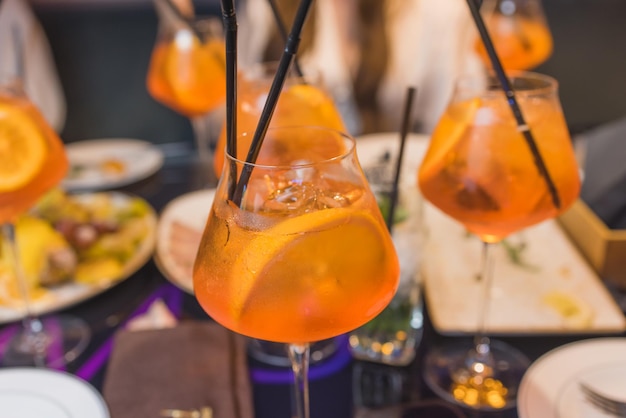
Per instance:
(23,148)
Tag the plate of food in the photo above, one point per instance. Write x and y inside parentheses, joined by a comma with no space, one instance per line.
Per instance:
(75,246)
(179,231)
(99,164)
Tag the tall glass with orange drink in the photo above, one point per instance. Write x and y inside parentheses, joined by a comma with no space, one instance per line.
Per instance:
(187,73)
(480,170)
(303,101)
(32,161)
(305,255)
(32,157)
(520,33)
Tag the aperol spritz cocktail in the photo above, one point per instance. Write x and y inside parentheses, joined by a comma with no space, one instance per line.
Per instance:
(520,33)
(32,157)
(303,101)
(32,161)
(480,170)
(305,254)
(188,73)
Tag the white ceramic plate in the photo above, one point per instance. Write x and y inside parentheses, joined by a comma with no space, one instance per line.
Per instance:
(38,393)
(138,159)
(549,389)
(180,225)
(72,293)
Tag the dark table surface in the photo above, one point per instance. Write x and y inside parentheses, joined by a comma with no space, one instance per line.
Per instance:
(340,386)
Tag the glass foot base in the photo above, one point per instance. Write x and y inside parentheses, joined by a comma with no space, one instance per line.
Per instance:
(456,374)
(276,354)
(61,340)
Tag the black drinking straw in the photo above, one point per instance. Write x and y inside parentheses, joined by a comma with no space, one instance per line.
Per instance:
(283,33)
(229,18)
(286,59)
(404,131)
(510,94)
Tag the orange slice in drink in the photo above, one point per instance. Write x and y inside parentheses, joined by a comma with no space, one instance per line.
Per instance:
(22,148)
(451,128)
(341,236)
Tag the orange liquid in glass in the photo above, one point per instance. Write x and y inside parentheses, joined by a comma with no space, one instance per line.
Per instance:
(521,43)
(296,297)
(188,76)
(18,117)
(299,105)
(305,257)
(480,171)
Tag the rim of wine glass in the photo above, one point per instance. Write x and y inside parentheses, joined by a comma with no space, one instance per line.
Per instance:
(350,149)
(488,85)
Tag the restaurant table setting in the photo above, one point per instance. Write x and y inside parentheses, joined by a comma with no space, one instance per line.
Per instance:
(133,241)
(103,362)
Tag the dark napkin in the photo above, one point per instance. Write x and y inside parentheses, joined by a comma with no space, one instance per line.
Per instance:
(192,365)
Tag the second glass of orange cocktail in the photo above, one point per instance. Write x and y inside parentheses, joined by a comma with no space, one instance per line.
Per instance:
(482,170)
(303,101)
(304,254)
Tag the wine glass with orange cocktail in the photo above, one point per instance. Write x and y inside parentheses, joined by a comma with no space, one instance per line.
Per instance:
(299,252)
(481,168)
(303,101)
(187,70)
(520,33)
(32,161)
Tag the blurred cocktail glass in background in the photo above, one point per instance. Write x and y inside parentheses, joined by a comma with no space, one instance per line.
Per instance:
(32,161)
(187,72)
(303,101)
(519,31)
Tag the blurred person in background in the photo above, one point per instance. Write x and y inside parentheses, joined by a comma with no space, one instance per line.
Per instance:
(40,78)
(370,51)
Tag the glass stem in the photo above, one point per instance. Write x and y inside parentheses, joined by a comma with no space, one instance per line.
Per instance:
(481,340)
(299,355)
(34,339)
(203,136)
